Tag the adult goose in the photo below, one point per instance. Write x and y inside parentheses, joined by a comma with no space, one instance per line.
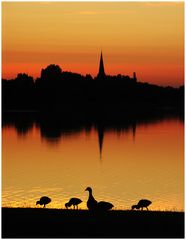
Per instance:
(43,201)
(91,203)
(143,203)
(74,202)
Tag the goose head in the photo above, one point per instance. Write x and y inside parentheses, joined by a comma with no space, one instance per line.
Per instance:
(89,189)
(38,202)
(135,206)
(67,205)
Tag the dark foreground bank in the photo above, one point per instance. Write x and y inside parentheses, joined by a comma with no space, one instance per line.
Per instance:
(54,223)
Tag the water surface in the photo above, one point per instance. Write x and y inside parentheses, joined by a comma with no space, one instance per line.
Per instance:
(142,161)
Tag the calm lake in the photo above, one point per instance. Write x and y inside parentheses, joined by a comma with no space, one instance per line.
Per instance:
(142,160)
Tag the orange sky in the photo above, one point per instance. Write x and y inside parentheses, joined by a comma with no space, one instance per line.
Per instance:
(146,37)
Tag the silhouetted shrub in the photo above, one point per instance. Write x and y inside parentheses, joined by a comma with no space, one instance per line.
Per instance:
(51,73)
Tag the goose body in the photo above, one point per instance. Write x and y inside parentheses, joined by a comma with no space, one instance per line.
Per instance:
(43,201)
(104,206)
(74,202)
(143,203)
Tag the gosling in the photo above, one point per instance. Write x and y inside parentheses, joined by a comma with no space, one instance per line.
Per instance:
(73,201)
(143,203)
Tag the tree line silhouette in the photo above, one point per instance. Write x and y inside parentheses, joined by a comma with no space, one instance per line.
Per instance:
(57,90)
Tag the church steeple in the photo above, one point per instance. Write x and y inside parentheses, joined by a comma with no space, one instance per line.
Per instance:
(101,73)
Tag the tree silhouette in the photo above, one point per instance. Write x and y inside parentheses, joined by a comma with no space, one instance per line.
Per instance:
(67,91)
(24,80)
(51,73)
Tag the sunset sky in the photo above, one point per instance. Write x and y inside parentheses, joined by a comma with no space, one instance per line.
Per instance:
(145,37)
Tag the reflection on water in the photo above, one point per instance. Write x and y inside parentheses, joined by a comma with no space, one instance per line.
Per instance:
(123,162)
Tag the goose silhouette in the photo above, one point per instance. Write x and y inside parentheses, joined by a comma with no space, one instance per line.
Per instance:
(104,206)
(74,202)
(92,204)
(43,201)
(143,203)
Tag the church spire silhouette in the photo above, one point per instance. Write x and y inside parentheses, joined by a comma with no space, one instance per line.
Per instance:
(101,73)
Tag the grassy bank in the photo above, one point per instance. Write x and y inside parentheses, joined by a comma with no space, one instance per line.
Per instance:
(52,223)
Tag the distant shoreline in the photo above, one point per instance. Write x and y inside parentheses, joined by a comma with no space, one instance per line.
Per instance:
(57,91)
(52,223)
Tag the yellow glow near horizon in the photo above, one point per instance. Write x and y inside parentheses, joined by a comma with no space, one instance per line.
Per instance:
(146,37)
